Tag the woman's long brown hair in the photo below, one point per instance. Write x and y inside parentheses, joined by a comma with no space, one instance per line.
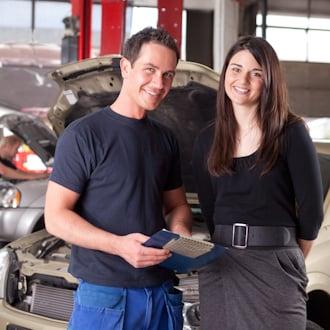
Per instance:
(272,114)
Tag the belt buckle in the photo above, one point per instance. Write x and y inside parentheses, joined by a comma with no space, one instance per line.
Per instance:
(239,246)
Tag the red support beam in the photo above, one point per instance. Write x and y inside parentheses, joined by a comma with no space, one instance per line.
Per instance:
(170,18)
(82,9)
(113,26)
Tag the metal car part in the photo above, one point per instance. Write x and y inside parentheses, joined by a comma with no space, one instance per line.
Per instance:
(56,303)
(10,196)
(4,270)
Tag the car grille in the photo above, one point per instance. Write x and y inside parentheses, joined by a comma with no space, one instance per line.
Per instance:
(52,302)
(189,287)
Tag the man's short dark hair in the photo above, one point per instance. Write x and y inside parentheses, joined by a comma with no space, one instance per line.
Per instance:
(160,36)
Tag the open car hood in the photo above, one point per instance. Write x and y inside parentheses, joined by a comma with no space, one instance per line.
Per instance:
(91,84)
(33,132)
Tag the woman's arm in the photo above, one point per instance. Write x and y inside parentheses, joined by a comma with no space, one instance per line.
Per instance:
(305,246)
(306,179)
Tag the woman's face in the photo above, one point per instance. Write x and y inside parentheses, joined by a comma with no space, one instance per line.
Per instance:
(244,80)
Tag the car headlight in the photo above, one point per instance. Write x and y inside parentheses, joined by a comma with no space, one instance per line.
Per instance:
(4,268)
(10,196)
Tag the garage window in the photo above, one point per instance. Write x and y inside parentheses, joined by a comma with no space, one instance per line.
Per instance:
(298,38)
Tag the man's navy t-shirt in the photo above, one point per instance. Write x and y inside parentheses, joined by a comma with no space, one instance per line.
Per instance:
(120,167)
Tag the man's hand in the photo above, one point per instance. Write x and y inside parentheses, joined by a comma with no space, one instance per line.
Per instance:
(131,249)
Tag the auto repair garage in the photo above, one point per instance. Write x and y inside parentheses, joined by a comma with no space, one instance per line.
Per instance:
(213,259)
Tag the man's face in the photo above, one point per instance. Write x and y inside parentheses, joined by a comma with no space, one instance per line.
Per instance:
(150,78)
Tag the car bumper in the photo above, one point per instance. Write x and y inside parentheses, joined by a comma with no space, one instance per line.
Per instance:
(13,317)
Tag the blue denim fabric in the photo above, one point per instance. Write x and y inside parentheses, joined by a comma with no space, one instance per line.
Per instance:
(174,306)
(99,307)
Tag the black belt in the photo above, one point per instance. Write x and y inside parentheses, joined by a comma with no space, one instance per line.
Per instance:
(241,235)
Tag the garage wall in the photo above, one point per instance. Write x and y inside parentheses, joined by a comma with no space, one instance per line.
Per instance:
(309,88)
(199,44)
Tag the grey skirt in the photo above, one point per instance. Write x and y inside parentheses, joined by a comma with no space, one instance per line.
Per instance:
(254,290)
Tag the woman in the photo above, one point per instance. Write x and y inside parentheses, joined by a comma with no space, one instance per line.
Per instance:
(260,190)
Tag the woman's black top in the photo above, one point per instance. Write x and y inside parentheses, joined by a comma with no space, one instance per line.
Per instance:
(290,194)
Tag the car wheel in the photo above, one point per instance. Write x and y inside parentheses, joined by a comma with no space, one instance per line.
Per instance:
(318,306)
(192,316)
(313,326)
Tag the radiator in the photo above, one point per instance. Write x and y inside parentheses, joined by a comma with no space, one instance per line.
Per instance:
(55,303)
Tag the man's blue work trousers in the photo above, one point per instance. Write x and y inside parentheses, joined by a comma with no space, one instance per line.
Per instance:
(98,307)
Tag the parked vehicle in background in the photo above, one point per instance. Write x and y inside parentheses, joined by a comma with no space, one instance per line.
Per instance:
(24,81)
(36,290)
(318,260)
(25,86)
(22,202)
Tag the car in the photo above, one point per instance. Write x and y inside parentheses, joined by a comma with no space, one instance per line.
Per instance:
(23,213)
(25,87)
(318,260)
(36,289)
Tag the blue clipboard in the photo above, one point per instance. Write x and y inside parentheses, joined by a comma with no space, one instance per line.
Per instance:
(179,262)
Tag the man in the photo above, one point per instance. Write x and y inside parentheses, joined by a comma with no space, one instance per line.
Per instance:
(8,149)
(116,176)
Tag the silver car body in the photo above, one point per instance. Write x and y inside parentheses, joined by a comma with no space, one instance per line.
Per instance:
(23,220)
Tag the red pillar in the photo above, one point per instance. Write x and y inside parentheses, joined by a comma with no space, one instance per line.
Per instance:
(83,10)
(113,26)
(170,17)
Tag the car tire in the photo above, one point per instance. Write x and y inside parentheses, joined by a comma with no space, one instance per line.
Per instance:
(318,306)
(313,326)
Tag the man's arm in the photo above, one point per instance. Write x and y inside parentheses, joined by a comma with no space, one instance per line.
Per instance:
(177,211)
(61,220)
(13,174)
